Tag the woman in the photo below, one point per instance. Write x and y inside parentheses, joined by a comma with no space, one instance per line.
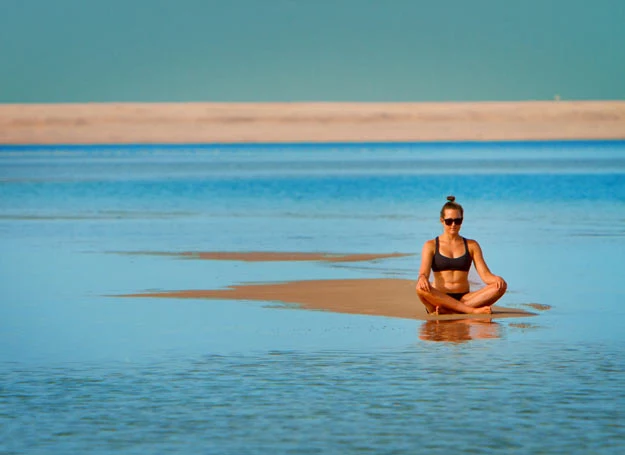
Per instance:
(450,256)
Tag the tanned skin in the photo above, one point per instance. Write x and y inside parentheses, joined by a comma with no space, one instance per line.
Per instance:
(434,294)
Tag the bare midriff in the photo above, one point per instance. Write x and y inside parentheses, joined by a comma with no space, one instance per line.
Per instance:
(451,281)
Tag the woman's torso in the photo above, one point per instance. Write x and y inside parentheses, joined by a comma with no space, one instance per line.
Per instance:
(451,266)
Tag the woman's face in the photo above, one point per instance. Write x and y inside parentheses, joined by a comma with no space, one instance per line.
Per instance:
(451,214)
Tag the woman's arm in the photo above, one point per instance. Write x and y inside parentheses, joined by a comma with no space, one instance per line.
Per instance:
(427,253)
(480,265)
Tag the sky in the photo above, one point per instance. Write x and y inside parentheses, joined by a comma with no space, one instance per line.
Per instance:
(310,50)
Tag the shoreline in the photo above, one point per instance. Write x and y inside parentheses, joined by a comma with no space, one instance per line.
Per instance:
(309,123)
(237,145)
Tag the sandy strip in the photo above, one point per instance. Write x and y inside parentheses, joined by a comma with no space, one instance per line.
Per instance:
(165,123)
(272,256)
(376,297)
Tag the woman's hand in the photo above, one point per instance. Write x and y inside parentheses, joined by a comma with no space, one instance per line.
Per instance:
(499,282)
(423,283)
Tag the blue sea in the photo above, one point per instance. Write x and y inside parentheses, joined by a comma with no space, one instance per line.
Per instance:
(83,371)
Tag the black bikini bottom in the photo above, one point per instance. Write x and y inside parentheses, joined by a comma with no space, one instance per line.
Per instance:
(457,295)
(453,295)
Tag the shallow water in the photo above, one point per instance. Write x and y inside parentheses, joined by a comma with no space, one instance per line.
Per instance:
(82,371)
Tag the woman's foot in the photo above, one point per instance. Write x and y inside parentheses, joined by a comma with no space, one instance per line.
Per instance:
(483,310)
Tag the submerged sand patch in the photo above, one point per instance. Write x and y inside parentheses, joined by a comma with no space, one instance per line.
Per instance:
(375,297)
(272,256)
(538,306)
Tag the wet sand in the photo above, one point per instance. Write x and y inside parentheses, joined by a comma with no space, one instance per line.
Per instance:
(375,297)
(390,297)
(179,123)
(271,256)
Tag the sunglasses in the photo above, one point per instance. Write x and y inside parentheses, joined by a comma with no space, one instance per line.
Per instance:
(450,221)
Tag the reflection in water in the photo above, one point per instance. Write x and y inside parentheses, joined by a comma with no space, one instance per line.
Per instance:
(459,330)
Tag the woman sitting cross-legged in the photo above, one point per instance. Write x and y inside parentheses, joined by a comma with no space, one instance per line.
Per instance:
(450,256)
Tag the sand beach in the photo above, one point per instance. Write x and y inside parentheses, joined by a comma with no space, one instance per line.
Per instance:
(178,123)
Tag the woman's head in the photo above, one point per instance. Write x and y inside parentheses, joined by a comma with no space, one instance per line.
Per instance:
(452,211)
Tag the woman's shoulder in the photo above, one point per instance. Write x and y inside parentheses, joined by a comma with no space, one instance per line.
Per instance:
(472,243)
(430,244)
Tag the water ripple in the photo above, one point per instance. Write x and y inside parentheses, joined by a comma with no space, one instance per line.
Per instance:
(567,398)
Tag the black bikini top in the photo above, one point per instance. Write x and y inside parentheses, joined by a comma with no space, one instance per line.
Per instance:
(441,263)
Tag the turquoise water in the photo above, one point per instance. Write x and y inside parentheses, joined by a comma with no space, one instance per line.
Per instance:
(82,371)
(348,50)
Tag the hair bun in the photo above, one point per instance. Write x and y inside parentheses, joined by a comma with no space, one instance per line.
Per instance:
(451,198)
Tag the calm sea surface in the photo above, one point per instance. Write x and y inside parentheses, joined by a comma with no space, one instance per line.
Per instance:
(82,371)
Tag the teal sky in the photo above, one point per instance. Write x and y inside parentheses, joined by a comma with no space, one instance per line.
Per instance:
(311,50)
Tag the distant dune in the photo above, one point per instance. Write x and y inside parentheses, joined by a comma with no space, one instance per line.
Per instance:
(309,122)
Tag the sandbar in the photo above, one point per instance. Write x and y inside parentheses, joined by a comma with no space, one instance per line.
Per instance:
(389,297)
(272,256)
(309,122)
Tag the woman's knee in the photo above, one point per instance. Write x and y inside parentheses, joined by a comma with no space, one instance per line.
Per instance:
(499,291)
(423,292)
